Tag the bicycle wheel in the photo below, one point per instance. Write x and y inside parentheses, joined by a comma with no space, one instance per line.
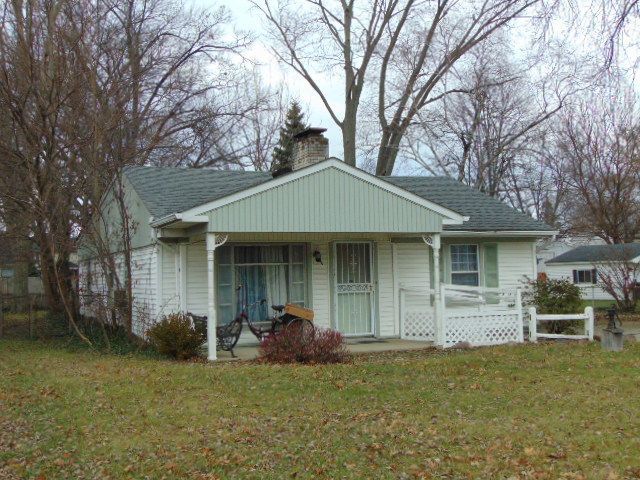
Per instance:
(302,328)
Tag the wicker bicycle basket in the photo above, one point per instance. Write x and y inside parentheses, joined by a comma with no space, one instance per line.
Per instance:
(298,311)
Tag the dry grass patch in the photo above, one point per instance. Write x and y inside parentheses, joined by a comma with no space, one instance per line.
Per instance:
(534,411)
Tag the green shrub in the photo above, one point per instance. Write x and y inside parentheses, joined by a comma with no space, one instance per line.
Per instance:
(555,296)
(176,337)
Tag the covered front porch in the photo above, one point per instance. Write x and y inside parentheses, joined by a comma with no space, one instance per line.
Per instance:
(350,280)
(328,237)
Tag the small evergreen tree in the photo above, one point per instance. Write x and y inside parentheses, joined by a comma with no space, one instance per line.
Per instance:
(283,152)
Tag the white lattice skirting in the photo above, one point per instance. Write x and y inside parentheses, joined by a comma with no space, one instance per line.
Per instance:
(482,328)
(418,325)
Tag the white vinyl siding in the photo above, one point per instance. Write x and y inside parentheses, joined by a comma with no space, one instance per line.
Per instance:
(143,286)
(396,265)
(516,264)
(320,286)
(170,294)
(387,305)
(565,272)
(197,302)
(412,271)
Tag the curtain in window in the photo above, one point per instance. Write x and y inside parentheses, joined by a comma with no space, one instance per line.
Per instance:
(264,272)
(265,281)
(276,284)
(252,279)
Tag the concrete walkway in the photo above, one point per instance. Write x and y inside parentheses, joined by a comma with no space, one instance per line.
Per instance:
(362,345)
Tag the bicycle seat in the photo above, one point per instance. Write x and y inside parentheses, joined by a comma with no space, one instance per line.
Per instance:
(278,308)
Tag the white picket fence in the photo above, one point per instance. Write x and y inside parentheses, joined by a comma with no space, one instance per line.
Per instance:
(474,315)
(587,317)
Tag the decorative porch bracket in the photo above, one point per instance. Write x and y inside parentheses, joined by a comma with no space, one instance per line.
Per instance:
(214,240)
(433,241)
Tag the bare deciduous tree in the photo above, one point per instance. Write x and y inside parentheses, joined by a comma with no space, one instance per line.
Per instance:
(491,134)
(246,137)
(403,49)
(599,157)
(87,88)
(618,275)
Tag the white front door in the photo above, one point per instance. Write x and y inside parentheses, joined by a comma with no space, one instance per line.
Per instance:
(353,288)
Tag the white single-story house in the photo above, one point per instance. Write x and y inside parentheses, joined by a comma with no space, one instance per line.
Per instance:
(581,266)
(370,255)
(550,248)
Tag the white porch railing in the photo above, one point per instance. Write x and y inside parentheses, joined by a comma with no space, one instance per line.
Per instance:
(474,315)
(481,316)
(417,315)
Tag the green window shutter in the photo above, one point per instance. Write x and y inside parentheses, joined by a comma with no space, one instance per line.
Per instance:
(491,265)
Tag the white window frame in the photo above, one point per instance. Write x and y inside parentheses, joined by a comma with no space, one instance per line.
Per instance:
(289,263)
(453,272)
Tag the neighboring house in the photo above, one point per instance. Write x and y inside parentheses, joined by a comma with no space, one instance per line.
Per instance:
(581,266)
(327,236)
(549,248)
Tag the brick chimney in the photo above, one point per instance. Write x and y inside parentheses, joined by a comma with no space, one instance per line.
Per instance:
(309,147)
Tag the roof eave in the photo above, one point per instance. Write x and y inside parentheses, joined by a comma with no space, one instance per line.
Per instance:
(504,233)
(178,218)
(163,221)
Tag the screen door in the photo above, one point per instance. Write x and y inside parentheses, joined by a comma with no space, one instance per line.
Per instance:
(354,288)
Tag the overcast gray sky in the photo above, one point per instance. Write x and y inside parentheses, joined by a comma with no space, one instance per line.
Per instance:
(578,37)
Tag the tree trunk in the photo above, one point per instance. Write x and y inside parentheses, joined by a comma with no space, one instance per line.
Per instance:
(47,271)
(388,153)
(349,136)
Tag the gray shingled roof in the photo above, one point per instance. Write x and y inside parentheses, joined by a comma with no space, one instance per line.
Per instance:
(599,253)
(485,213)
(167,190)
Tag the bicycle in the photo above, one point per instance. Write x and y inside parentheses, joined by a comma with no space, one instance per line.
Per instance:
(227,336)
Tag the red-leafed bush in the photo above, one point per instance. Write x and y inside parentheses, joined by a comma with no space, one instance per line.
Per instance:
(294,346)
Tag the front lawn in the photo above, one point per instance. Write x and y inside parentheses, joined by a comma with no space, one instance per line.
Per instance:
(534,411)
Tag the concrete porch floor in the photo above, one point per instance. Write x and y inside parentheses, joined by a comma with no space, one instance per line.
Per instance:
(360,345)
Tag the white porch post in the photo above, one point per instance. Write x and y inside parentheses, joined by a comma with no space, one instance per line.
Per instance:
(433,241)
(213,242)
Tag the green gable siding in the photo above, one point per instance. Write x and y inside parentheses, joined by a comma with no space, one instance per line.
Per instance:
(326,201)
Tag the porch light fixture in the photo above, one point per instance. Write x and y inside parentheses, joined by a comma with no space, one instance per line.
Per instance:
(317,257)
